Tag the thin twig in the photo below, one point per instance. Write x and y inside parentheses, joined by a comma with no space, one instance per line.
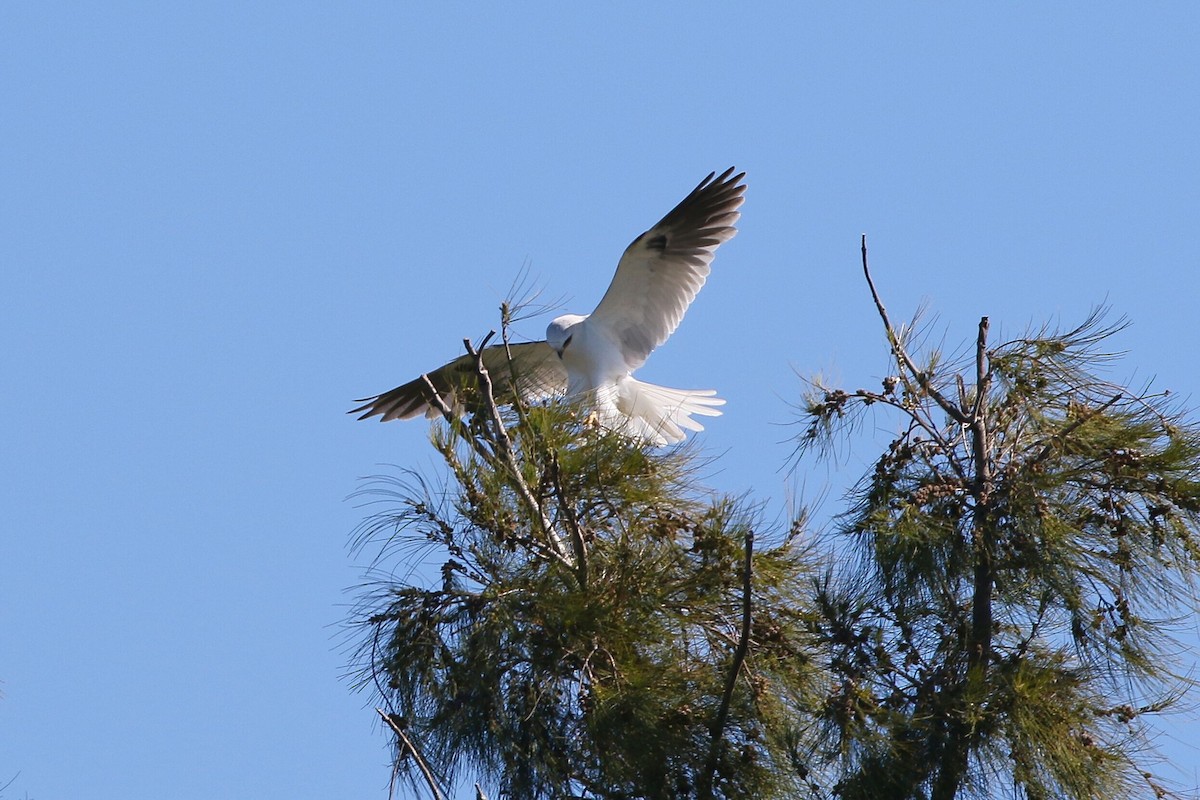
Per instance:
(910,367)
(902,355)
(915,419)
(412,749)
(518,401)
(739,658)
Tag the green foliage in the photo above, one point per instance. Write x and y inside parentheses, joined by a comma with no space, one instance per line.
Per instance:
(585,627)
(1024,541)
(992,615)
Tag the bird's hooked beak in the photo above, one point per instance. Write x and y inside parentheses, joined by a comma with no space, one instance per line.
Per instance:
(561,350)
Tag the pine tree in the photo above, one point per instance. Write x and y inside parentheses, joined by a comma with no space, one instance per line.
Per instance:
(991,616)
(1023,544)
(603,628)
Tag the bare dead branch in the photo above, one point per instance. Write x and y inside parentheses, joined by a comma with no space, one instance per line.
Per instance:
(426,772)
(901,354)
(981,449)
(982,369)
(437,401)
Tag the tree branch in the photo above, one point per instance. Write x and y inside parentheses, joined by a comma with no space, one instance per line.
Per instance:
(518,401)
(455,423)
(981,447)
(982,369)
(573,528)
(955,758)
(1083,418)
(426,772)
(504,446)
(739,658)
(902,355)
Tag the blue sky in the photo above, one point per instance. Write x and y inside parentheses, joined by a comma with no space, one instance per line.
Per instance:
(220,223)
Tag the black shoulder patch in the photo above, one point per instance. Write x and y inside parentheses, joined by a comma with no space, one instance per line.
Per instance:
(658,243)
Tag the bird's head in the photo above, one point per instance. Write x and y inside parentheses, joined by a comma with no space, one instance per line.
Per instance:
(560,331)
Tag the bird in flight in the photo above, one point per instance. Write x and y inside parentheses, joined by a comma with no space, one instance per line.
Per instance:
(593,357)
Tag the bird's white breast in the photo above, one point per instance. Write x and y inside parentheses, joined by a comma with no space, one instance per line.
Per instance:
(593,360)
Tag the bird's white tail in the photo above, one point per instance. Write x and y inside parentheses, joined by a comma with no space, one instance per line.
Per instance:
(658,414)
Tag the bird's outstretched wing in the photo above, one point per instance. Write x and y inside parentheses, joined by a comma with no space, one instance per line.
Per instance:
(539,373)
(663,269)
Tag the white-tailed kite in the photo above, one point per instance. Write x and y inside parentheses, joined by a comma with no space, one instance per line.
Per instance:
(594,356)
